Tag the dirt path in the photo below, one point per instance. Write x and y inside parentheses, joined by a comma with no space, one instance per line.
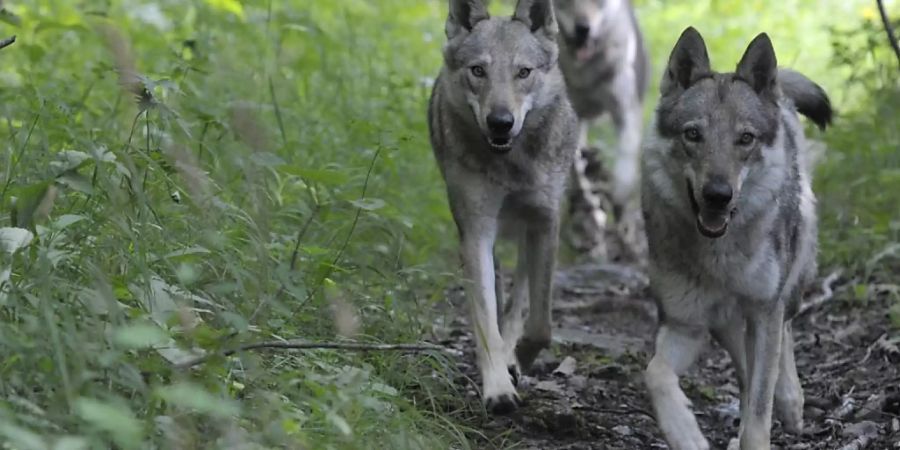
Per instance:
(604,323)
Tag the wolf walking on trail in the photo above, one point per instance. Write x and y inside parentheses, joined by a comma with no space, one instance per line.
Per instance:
(504,136)
(731,227)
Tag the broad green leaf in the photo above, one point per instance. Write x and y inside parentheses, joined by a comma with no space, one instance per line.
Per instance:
(232,6)
(76,181)
(66,220)
(4,287)
(368,204)
(71,443)
(71,160)
(195,250)
(13,239)
(194,397)
(21,438)
(267,159)
(325,177)
(32,202)
(156,300)
(175,355)
(142,335)
(113,418)
(340,423)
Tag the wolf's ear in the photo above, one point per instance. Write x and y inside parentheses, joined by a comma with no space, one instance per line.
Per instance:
(758,66)
(688,61)
(464,15)
(538,16)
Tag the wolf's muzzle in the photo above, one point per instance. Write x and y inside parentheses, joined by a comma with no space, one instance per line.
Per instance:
(714,213)
(582,32)
(500,123)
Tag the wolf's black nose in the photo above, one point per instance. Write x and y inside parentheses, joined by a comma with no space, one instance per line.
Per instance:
(500,121)
(582,30)
(717,193)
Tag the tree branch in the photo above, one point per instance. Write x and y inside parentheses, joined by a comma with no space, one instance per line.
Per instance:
(889,29)
(7,42)
(297,344)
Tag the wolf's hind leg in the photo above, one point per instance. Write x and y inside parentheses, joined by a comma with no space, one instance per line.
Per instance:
(540,257)
(788,391)
(676,350)
(585,209)
(732,339)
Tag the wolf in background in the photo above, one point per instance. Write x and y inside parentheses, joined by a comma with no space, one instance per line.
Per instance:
(605,64)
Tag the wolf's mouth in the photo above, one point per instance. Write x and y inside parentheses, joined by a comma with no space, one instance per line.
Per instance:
(711,223)
(500,144)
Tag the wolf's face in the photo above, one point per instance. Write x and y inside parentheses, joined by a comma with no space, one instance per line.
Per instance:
(581,23)
(721,126)
(501,64)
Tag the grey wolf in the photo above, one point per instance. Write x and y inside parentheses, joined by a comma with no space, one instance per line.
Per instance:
(605,64)
(731,227)
(504,135)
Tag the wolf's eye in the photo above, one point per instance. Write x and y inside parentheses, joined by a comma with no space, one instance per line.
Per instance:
(692,134)
(747,139)
(478,71)
(524,73)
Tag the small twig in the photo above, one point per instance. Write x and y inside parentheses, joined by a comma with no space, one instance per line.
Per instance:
(300,235)
(340,252)
(617,411)
(297,344)
(889,29)
(826,295)
(881,343)
(294,257)
(7,42)
(277,110)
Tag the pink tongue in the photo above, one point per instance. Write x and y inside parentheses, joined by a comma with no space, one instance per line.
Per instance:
(583,54)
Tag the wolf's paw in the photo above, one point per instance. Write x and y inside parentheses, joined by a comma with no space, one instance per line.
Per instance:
(515,374)
(789,410)
(500,395)
(528,348)
(682,433)
(503,404)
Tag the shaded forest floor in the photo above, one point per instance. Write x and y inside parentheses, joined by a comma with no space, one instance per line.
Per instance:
(587,393)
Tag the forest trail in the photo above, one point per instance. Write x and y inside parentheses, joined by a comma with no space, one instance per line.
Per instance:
(587,393)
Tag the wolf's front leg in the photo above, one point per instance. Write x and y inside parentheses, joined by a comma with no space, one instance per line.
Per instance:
(478,260)
(677,348)
(542,240)
(765,327)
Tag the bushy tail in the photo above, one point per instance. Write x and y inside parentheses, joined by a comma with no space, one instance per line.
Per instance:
(809,98)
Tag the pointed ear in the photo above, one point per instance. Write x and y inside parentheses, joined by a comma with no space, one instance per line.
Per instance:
(759,66)
(464,15)
(688,61)
(538,16)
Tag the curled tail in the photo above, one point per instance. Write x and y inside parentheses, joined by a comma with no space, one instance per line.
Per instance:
(809,98)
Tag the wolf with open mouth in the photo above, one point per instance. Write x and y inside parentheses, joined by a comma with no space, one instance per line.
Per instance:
(731,228)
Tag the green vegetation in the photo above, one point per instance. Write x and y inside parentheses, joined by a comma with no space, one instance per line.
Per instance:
(203,174)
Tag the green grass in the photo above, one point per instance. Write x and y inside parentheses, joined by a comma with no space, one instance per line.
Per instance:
(275,180)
